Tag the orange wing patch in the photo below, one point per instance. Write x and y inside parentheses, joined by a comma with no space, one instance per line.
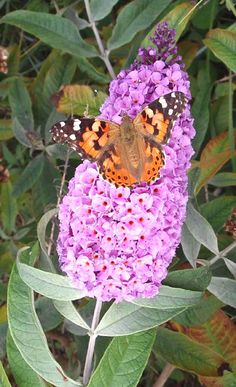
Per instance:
(155,161)
(113,170)
(154,123)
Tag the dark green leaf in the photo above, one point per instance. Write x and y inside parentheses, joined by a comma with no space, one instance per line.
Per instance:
(200,109)
(134,17)
(27,332)
(224,179)
(101,8)
(4,382)
(199,313)
(23,374)
(9,209)
(20,133)
(201,229)
(29,176)
(190,246)
(184,353)
(223,44)
(191,279)
(20,103)
(224,289)
(124,361)
(53,30)
(47,314)
(218,210)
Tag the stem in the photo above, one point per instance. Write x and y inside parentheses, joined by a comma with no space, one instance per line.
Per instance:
(230,124)
(91,345)
(222,253)
(166,372)
(103,52)
(49,250)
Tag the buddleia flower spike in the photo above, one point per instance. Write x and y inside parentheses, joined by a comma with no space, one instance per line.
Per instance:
(116,243)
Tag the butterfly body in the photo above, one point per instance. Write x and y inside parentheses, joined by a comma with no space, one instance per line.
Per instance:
(128,153)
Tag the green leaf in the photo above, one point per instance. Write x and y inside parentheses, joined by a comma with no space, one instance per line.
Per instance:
(224,289)
(20,102)
(41,234)
(134,17)
(56,70)
(224,179)
(201,229)
(126,318)
(53,30)
(78,99)
(27,332)
(48,315)
(101,8)
(20,133)
(169,298)
(218,210)
(50,285)
(29,176)
(5,129)
(124,361)
(4,382)
(8,207)
(23,374)
(179,17)
(231,265)
(200,109)
(223,44)
(87,68)
(190,279)
(200,313)
(190,246)
(44,192)
(184,353)
(67,309)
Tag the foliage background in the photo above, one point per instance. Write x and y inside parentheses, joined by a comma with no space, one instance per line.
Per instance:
(52,44)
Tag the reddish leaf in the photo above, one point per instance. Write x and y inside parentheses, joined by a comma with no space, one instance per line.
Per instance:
(215,154)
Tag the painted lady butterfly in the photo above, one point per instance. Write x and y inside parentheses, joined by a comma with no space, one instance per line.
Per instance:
(130,152)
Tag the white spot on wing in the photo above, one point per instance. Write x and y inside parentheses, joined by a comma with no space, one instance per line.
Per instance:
(170,112)
(163,102)
(76,125)
(62,123)
(72,137)
(173,95)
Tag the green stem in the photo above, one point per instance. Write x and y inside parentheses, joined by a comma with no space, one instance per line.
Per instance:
(223,253)
(230,124)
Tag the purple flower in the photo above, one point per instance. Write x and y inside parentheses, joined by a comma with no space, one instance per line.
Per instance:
(117,243)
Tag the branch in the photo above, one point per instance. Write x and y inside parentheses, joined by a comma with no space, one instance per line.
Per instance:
(49,250)
(91,345)
(166,372)
(103,52)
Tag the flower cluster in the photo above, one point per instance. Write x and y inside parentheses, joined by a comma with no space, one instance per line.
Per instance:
(117,243)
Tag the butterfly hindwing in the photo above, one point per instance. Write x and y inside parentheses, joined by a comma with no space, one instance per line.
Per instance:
(87,136)
(158,117)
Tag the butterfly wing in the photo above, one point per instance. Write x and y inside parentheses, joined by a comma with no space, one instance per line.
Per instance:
(156,119)
(113,169)
(88,136)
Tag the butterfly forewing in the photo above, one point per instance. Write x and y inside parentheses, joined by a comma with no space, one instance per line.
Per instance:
(158,117)
(88,136)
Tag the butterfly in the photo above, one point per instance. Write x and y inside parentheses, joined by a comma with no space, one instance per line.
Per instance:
(128,153)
